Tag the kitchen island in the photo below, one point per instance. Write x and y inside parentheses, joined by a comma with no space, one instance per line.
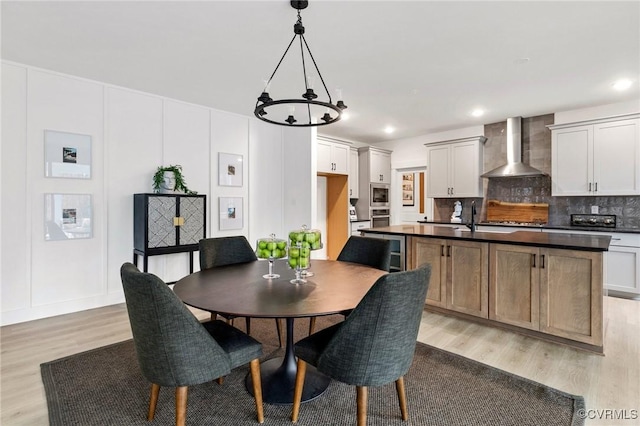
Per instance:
(545,285)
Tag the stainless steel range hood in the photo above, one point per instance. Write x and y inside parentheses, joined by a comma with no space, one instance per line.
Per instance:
(514,167)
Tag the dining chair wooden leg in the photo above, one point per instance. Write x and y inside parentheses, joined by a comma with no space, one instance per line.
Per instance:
(181,405)
(297,390)
(214,316)
(247,321)
(153,401)
(312,325)
(279,328)
(257,388)
(220,380)
(361,397)
(402,398)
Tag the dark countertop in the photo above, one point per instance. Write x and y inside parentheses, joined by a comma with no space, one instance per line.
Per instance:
(523,238)
(534,227)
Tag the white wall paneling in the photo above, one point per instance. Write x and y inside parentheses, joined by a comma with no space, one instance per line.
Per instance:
(15,273)
(266,181)
(134,141)
(300,193)
(66,271)
(132,134)
(229,134)
(186,136)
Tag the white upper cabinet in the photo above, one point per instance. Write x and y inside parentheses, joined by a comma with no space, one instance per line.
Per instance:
(353,173)
(454,168)
(332,157)
(600,157)
(375,165)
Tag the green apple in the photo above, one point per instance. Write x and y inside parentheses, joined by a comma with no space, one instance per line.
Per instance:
(266,254)
(294,252)
(306,244)
(315,245)
(305,252)
(271,245)
(300,236)
(293,262)
(262,244)
(310,237)
(293,235)
(282,245)
(304,262)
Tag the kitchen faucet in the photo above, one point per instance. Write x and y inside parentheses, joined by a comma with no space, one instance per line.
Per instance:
(472,225)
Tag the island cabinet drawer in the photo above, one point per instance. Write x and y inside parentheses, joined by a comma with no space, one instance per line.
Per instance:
(459,273)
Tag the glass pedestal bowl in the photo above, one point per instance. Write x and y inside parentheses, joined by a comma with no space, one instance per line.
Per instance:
(307,240)
(271,248)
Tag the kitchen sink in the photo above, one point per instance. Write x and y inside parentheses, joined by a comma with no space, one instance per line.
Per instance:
(465,229)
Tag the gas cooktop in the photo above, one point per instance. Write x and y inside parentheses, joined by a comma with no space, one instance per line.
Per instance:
(594,220)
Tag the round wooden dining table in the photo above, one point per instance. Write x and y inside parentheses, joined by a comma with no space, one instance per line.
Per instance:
(240,290)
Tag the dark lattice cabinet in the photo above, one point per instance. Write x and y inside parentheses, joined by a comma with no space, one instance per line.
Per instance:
(166,224)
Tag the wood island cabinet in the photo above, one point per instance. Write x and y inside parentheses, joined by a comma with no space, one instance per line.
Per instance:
(459,273)
(514,284)
(571,295)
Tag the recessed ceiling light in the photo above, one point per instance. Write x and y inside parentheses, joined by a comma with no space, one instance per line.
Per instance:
(388,130)
(478,112)
(622,84)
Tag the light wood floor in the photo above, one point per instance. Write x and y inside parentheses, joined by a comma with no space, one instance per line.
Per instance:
(607,382)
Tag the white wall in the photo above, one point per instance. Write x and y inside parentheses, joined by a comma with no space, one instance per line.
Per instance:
(600,111)
(410,155)
(132,133)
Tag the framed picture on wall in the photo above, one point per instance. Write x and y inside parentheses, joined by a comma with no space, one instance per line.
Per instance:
(229,169)
(407,189)
(67,217)
(230,213)
(67,155)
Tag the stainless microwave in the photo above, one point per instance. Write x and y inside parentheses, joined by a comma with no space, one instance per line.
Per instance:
(379,195)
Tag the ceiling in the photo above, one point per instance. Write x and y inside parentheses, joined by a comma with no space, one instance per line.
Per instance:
(419,66)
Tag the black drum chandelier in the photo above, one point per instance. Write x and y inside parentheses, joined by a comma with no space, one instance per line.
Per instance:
(310,105)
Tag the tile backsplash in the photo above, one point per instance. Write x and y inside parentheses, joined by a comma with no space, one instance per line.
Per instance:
(536,151)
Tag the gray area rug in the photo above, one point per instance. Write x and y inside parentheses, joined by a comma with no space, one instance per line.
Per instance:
(104,386)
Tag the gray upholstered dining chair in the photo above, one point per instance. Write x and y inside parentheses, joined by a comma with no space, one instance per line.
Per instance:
(374,252)
(222,251)
(374,345)
(174,349)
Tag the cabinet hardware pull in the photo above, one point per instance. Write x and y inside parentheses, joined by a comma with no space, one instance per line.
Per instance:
(448,251)
(534,260)
(589,186)
(542,261)
(451,191)
(441,250)
(596,187)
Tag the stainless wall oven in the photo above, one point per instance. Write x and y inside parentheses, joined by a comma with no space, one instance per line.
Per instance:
(379,195)
(379,218)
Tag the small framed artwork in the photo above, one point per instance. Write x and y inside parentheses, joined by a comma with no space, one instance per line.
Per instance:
(229,169)
(67,217)
(67,155)
(407,189)
(230,213)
